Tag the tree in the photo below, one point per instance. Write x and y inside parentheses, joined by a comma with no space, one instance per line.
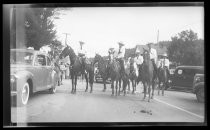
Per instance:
(39,27)
(186,49)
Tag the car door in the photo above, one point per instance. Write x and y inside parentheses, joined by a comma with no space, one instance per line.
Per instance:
(38,72)
(40,62)
(189,76)
(179,78)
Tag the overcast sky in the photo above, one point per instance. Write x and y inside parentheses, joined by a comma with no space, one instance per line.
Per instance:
(102,27)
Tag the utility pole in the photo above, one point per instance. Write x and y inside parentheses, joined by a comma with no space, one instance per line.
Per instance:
(158,36)
(66,38)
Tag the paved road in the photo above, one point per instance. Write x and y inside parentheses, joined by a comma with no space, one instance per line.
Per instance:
(102,107)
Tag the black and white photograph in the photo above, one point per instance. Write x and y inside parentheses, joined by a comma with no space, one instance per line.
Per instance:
(115,64)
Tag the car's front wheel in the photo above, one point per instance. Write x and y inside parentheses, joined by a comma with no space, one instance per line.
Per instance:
(200,94)
(23,95)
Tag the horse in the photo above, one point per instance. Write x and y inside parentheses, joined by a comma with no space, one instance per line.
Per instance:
(76,68)
(114,69)
(102,65)
(133,75)
(147,76)
(162,78)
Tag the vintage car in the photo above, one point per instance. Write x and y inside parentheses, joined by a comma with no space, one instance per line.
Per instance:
(198,87)
(183,76)
(30,71)
(98,78)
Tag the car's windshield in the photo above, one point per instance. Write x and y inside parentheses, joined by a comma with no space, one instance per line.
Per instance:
(21,57)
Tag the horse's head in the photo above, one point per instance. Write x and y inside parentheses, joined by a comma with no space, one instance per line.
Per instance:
(96,58)
(64,53)
(146,55)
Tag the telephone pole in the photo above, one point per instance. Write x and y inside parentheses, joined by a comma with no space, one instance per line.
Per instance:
(158,36)
(66,38)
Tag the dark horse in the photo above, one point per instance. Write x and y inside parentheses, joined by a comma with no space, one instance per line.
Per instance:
(76,68)
(114,69)
(147,74)
(162,78)
(102,65)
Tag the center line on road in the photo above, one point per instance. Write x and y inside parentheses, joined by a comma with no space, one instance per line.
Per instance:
(179,108)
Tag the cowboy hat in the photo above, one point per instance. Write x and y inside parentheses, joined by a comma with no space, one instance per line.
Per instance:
(81,43)
(121,44)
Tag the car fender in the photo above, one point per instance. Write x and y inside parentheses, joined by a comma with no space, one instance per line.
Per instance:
(197,86)
(22,77)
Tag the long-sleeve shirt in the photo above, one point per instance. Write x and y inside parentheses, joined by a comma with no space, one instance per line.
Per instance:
(165,62)
(121,52)
(153,54)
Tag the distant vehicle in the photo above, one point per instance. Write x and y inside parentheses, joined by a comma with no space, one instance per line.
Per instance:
(30,71)
(198,87)
(183,76)
(98,78)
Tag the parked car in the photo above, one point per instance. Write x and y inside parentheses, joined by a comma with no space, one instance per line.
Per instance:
(30,71)
(183,76)
(198,87)
(98,78)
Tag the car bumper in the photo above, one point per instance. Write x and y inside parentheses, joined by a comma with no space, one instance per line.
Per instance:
(13,93)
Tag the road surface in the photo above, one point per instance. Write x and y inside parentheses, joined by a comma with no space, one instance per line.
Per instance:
(102,107)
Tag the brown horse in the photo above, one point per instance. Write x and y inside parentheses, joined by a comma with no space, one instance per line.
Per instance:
(102,65)
(147,74)
(133,75)
(76,68)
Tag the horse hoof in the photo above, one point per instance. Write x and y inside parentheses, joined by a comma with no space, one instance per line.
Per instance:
(148,100)
(112,95)
(90,91)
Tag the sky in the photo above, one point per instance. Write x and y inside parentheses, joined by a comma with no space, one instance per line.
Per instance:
(103,27)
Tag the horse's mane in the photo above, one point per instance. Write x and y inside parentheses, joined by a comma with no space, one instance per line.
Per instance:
(71,54)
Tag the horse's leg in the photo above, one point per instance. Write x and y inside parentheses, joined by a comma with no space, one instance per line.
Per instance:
(116,87)
(120,87)
(112,85)
(72,81)
(128,85)
(75,89)
(159,87)
(145,90)
(86,79)
(149,90)
(104,81)
(124,86)
(153,88)
(163,87)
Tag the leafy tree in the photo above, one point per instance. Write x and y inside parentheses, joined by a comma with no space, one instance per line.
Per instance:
(39,27)
(186,49)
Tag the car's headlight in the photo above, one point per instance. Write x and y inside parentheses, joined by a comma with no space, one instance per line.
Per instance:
(13,78)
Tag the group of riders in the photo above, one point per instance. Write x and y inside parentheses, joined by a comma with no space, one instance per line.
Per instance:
(119,55)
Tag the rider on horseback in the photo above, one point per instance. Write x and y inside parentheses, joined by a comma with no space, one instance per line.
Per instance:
(165,63)
(120,56)
(82,55)
(153,56)
(138,59)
